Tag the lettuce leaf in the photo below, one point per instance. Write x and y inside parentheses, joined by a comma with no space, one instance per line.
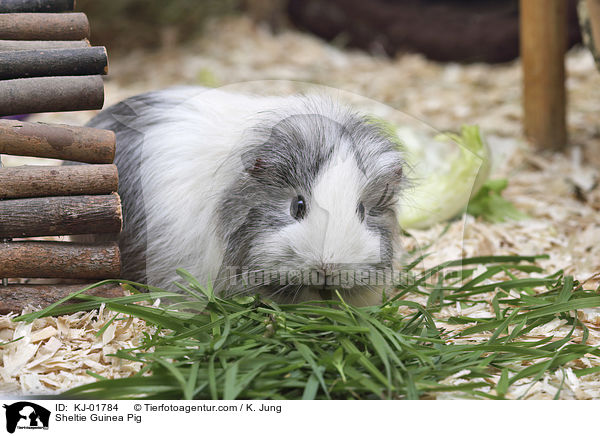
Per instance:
(446,172)
(489,204)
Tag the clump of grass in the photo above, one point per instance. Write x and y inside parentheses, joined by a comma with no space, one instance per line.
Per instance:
(255,349)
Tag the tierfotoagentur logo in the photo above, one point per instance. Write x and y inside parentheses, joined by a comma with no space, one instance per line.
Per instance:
(24,415)
(345,276)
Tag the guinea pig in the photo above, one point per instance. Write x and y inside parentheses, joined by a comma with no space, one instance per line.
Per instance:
(291,197)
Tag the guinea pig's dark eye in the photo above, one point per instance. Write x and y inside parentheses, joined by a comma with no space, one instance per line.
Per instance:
(298,207)
(361,211)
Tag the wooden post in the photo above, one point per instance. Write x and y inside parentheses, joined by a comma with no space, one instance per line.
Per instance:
(543,45)
(57,141)
(57,259)
(14,298)
(52,181)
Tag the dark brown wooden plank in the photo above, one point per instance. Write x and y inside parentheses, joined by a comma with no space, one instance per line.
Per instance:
(15,297)
(41,26)
(12,6)
(54,216)
(57,259)
(58,141)
(9,44)
(53,62)
(51,94)
(49,181)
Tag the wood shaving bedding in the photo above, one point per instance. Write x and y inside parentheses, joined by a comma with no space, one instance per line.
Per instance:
(55,353)
(559,191)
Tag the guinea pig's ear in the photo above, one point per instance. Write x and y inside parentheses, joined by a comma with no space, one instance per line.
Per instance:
(256,168)
(254,165)
(396,173)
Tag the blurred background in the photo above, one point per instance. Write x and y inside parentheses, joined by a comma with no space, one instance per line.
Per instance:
(443,30)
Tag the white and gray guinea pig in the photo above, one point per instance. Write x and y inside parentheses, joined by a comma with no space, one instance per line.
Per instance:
(289,197)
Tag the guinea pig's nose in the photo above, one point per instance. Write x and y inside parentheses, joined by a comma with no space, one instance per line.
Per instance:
(330,273)
(327,268)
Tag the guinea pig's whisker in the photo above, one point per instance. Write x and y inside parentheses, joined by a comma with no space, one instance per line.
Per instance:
(281,289)
(369,287)
(250,290)
(296,293)
(229,278)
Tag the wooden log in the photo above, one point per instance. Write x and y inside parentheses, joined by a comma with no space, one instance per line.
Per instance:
(51,94)
(40,26)
(543,46)
(53,62)
(12,6)
(9,45)
(54,216)
(67,260)
(16,297)
(52,181)
(81,144)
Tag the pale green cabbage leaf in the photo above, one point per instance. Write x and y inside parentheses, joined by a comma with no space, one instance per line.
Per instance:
(446,171)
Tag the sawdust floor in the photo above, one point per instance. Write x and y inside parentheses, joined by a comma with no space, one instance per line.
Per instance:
(558,190)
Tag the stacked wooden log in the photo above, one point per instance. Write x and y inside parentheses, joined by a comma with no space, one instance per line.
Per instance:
(48,65)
